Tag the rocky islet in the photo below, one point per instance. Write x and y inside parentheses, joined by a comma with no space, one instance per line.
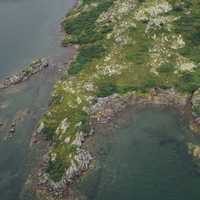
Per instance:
(35,67)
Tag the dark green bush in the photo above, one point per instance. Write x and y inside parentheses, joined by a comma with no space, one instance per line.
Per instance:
(49,133)
(126,88)
(106,89)
(166,68)
(196,110)
(84,25)
(56,169)
(86,55)
(87,1)
(189,26)
(150,82)
(189,81)
(83,117)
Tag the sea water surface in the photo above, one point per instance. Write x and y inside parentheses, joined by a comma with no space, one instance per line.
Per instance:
(144,157)
(28,29)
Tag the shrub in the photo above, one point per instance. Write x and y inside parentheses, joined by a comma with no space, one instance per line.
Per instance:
(84,25)
(189,26)
(86,55)
(126,88)
(56,169)
(166,68)
(150,82)
(83,117)
(48,132)
(189,81)
(196,110)
(106,89)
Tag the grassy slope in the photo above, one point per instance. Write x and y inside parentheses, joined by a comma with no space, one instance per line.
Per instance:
(119,53)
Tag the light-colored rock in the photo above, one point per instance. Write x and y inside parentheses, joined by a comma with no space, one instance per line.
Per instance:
(40,127)
(196,103)
(35,67)
(194,150)
(62,128)
(79,139)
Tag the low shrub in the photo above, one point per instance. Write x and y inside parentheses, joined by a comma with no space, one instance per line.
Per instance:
(84,25)
(189,81)
(56,169)
(86,55)
(106,89)
(166,68)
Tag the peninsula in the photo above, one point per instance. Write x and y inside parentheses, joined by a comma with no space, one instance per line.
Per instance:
(130,52)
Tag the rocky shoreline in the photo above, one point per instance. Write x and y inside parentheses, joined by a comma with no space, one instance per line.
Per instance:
(102,112)
(35,67)
(109,74)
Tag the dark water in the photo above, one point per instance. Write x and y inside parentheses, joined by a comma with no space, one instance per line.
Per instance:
(28,29)
(144,159)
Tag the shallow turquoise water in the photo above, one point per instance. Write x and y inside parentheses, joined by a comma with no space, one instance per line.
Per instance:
(145,158)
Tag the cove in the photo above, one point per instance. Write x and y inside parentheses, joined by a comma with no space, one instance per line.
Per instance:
(142,155)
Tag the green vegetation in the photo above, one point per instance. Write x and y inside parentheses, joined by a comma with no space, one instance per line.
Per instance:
(106,89)
(83,28)
(86,55)
(166,68)
(56,169)
(27,71)
(122,49)
(190,81)
(189,26)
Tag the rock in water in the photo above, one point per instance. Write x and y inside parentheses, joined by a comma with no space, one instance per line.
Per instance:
(35,67)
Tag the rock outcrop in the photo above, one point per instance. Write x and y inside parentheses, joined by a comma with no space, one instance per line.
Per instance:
(35,67)
(196,103)
(107,107)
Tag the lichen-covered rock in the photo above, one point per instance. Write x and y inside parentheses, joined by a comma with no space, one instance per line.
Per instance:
(79,139)
(26,73)
(105,108)
(194,150)
(152,9)
(154,14)
(79,164)
(117,11)
(62,128)
(40,127)
(196,103)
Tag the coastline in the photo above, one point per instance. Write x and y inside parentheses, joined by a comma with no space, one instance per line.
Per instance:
(101,111)
(24,103)
(110,108)
(35,67)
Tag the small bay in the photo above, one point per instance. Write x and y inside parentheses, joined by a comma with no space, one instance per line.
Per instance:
(143,157)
